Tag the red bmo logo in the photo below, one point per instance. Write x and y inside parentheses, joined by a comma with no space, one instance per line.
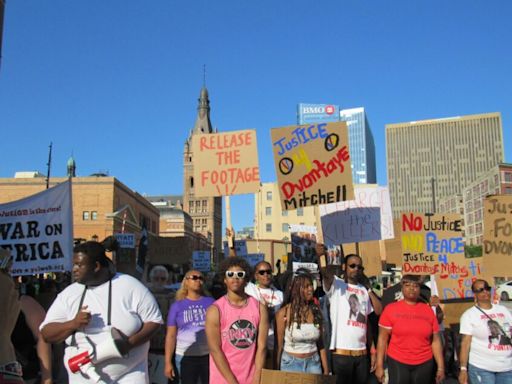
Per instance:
(329,109)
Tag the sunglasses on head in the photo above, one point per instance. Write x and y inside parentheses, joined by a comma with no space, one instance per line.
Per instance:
(484,288)
(235,274)
(195,277)
(264,271)
(358,266)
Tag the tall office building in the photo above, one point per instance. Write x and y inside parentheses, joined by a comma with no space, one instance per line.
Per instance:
(360,138)
(206,212)
(362,146)
(431,159)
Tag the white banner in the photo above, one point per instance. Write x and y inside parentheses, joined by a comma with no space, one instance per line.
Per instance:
(38,230)
(368,217)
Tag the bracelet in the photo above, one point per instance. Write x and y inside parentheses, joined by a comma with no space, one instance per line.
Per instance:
(463,368)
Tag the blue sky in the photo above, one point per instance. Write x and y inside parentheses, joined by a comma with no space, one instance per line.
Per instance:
(116,82)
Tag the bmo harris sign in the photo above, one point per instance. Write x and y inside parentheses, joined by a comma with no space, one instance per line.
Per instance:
(318,113)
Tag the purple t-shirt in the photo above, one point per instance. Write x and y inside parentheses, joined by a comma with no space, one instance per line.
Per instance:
(189,316)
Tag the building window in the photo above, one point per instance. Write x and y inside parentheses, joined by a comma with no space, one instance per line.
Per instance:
(191,182)
(286,227)
(205,206)
(94,215)
(508,190)
(269,195)
(85,215)
(508,177)
(300,211)
(284,213)
(268,227)
(268,211)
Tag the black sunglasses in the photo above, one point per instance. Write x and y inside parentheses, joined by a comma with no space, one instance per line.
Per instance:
(484,288)
(195,277)
(264,271)
(358,266)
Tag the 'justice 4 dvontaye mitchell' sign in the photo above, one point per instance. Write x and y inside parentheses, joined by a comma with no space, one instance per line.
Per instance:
(312,164)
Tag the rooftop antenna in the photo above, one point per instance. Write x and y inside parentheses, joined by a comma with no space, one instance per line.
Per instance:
(204,75)
(49,165)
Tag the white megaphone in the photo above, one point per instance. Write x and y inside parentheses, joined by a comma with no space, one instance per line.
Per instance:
(85,360)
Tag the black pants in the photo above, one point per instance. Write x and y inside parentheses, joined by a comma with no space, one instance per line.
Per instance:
(400,373)
(195,369)
(350,369)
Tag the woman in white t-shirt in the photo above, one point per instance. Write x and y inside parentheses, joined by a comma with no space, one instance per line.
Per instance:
(486,350)
(299,324)
(265,292)
(99,304)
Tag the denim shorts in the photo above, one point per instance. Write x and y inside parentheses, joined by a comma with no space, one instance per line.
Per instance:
(481,376)
(310,364)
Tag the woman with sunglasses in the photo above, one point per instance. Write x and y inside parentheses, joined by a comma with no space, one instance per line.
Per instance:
(236,328)
(265,292)
(299,336)
(486,351)
(186,337)
(411,328)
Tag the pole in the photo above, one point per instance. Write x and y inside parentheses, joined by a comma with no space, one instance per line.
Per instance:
(49,164)
(229,229)
(433,195)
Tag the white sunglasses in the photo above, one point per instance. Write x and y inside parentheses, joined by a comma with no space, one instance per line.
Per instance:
(235,274)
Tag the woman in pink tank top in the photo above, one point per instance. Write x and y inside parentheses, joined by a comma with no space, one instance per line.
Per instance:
(236,328)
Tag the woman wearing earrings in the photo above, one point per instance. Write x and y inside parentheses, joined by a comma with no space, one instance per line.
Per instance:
(186,337)
(236,328)
(299,322)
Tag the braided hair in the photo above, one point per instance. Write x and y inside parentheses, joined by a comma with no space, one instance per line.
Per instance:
(299,307)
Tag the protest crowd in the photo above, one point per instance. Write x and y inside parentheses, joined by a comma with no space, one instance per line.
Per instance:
(99,326)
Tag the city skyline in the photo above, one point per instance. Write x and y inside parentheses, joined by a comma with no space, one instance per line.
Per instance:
(116,84)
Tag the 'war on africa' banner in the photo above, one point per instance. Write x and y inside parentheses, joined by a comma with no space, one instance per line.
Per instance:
(226,163)
(312,164)
(38,230)
(432,244)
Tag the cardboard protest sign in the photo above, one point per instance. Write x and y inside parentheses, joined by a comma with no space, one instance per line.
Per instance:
(370,253)
(368,217)
(392,248)
(455,279)
(225,163)
(497,244)
(428,241)
(201,261)
(283,377)
(312,164)
(38,230)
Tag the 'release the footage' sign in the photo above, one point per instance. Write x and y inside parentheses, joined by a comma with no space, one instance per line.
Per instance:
(312,164)
(225,163)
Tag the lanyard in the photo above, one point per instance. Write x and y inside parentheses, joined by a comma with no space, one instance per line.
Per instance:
(109,308)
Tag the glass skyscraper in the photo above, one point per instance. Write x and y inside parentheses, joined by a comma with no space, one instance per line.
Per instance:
(362,146)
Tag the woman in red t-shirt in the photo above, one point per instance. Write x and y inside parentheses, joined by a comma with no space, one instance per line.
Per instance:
(414,342)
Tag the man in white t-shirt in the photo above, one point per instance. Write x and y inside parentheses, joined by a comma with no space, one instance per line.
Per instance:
(350,305)
(271,297)
(84,314)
